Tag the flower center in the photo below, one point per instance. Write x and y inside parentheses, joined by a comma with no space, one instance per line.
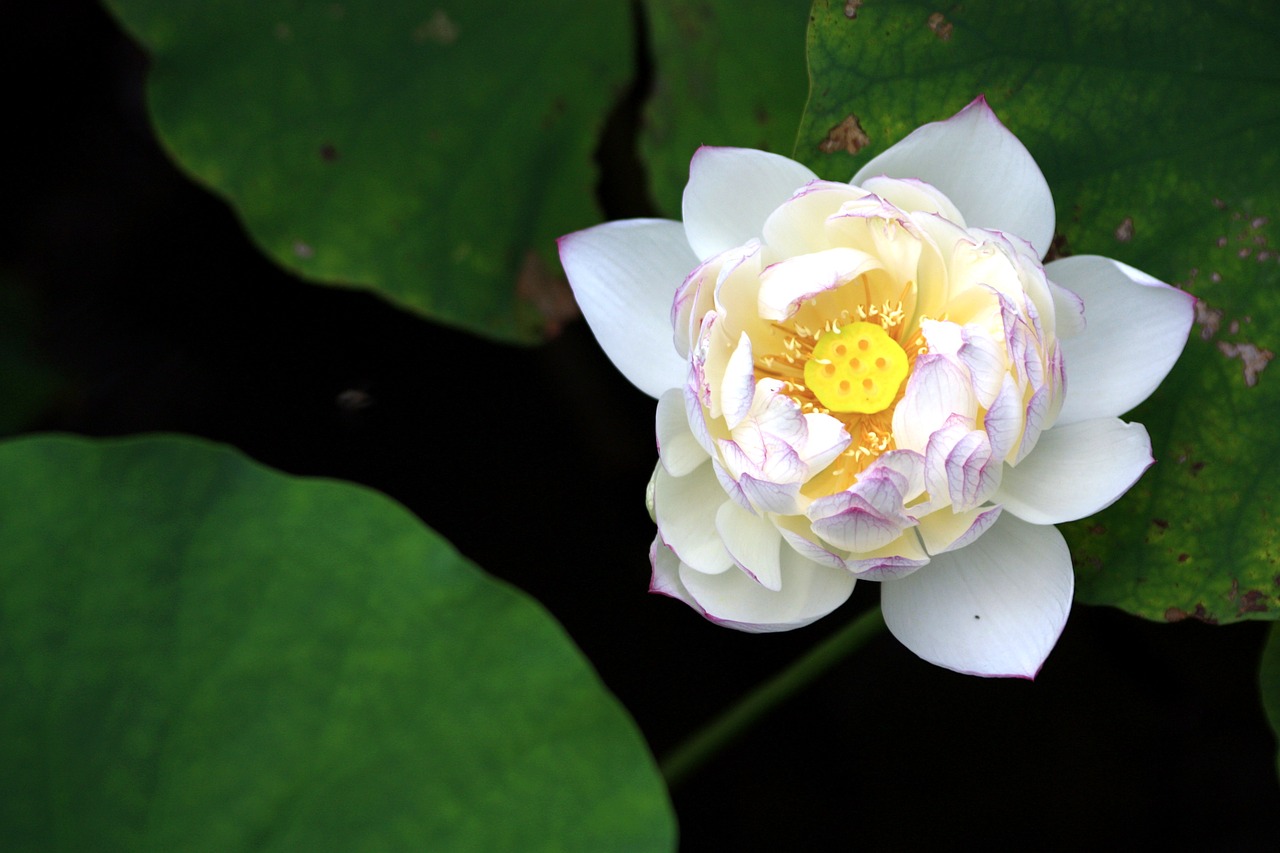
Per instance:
(856,368)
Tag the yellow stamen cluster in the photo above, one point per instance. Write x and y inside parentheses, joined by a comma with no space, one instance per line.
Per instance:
(879,349)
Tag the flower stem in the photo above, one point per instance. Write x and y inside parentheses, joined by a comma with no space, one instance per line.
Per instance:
(724,729)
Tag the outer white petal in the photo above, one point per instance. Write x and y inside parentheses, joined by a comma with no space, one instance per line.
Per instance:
(1075,471)
(981,167)
(731,192)
(685,509)
(1135,329)
(678,448)
(624,276)
(995,608)
(809,592)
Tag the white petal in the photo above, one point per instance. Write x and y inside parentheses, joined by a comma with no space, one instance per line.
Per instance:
(678,448)
(1135,328)
(1075,471)
(753,542)
(731,192)
(995,608)
(685,508)
(981,167)
(733,599)
(624,276)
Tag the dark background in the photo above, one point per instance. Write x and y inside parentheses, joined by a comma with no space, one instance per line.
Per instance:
(142,306)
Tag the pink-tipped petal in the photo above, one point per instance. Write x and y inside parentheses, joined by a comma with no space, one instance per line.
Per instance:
(731,192)
(665,579)
(624,276)
(913,196)
(1135,329)
(786,285)
(995,608)
(981,167)
(1076,470)
(738,389)
(938,390)
(944,530)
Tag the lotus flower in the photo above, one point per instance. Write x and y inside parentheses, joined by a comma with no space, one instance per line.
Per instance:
(879,380)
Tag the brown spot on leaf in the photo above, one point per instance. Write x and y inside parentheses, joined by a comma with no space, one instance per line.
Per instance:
(547,291)
(303,250)
(846,136)
(941,26)
(1124,231)
(1253,359)
(1252,602)
(328,153)
(1208,319)
(1175,614)
(1161,523)
(1182,558)
(1097,529)
(1203,615)
(438,29)
(851,8)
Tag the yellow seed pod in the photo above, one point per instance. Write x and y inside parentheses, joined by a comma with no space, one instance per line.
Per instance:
(858,368)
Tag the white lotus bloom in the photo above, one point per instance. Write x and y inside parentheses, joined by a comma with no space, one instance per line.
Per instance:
(880,380)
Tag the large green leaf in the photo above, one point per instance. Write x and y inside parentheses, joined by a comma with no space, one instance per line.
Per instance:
(1269,681)
(198,653)
(418,152)
(1155,125)
(726,72)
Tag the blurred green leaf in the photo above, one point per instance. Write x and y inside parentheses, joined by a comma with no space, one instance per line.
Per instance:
(432,156)
(1155,125)
(198,653)
(1269,681)
(726,72)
